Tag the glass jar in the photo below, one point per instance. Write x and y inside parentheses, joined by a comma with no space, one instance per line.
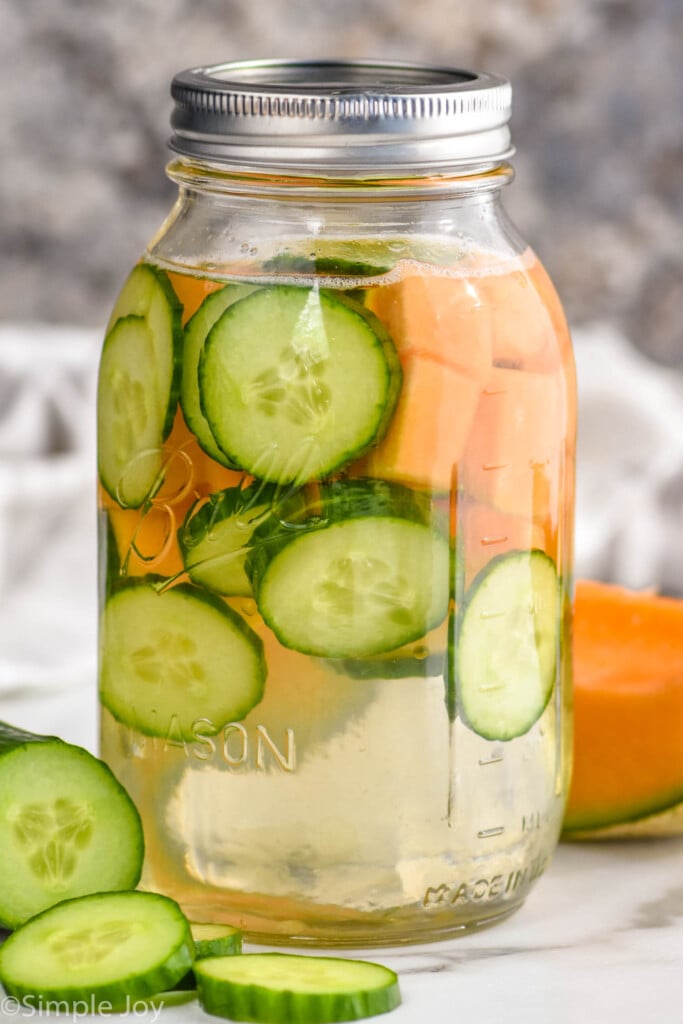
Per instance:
(336,448)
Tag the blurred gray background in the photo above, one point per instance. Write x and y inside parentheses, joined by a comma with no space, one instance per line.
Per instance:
(598,122)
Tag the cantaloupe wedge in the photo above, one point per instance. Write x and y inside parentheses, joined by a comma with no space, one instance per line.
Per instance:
(514,449)
(628,705)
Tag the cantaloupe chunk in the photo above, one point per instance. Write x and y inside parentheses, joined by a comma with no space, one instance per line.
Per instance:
(515,447)
(428,430)
(522,326)
(438,317)
(628,712)
(507,313)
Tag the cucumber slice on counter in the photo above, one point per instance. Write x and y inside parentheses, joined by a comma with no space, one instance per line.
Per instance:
(173,658)
(67,827)
(294,382)
(148,293)
(209,940)
(280,988)
(196,330)
(506,644)
(106,949)
(215,940)
(130,418)
(215,537)
(364,573)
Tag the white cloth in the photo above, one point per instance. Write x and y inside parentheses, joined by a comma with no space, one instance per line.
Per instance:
(47,507)
(629,508)
(629,494)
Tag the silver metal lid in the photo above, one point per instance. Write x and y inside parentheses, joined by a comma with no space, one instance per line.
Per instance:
(341,118)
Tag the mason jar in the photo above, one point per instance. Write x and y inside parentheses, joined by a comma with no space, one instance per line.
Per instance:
(336,446)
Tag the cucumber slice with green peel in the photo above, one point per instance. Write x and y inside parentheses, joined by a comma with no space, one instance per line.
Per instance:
(196,330)
(365,573)
(67,827)
(130,419)
(330,266)
(506,644)
(215,940)
(148,293)
(108,950)
(215,537)
(312,266)
(295,383)
(280,988)
(210,940)
(170,658)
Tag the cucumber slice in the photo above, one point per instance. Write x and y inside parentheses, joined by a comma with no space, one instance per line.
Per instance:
(103,950)
(148,293)
(330,266)
(279,988)
(130,419)
(215,537)
(210,940)
(365,572)
(313,266)
(215,940)
(506,646)
(196,330)
(295,383)
(174,657)
(67,827)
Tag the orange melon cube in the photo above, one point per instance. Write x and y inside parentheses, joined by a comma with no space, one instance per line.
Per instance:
(429,428)
(437,317)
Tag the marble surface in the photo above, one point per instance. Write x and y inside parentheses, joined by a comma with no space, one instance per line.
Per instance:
(599,940)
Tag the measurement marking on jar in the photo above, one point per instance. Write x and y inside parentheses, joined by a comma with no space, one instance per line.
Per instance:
(490,392)
(488,833)
(492,615)
(489,467)
(493,759)
(488,541)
